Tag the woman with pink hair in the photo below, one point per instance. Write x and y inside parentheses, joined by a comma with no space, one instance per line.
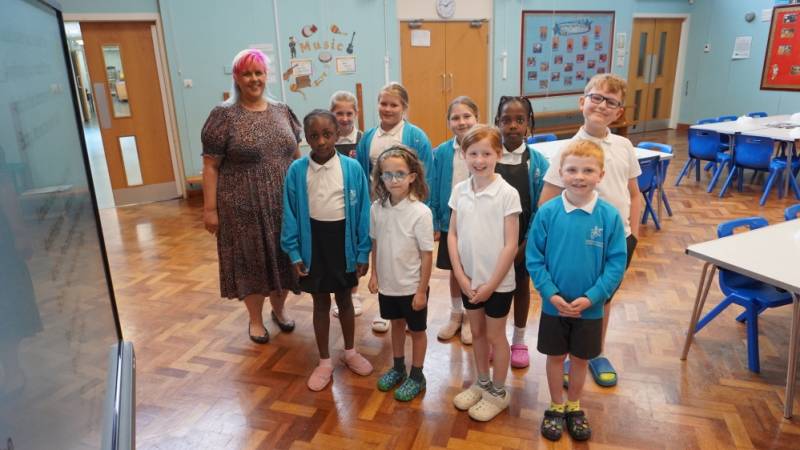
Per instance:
(248,143)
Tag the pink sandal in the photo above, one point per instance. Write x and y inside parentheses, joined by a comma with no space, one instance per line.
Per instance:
(320,378)
(519,356)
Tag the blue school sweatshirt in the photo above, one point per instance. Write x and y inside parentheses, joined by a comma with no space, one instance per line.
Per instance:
(442,184)
(576,254)
(413,137)
(296,224)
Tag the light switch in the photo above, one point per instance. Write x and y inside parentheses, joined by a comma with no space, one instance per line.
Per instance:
(707,48)
(187,83)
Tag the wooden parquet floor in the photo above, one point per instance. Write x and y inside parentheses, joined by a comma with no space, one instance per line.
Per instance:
(203,384)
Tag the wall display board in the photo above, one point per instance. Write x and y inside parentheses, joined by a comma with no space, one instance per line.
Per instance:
(781,70)
(561,50)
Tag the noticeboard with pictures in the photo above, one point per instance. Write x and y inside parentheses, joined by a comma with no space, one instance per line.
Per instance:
(562,50)
(781,69)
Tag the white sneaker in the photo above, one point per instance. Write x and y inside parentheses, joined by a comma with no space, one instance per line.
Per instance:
(466,332)
(357,308)
(451,327)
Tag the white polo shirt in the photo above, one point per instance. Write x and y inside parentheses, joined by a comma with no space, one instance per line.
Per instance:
(382,140)
(621,165)
(460,170)
(480,227)
(400,232)
(325,185)
(350,138)
(515,158)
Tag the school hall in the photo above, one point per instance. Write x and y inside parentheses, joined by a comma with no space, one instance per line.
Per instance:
(131,133)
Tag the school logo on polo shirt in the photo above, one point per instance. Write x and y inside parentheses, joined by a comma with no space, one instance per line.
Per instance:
(595,237)
(353,196)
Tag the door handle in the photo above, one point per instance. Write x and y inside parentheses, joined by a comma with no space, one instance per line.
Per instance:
(444,83)
(451,82)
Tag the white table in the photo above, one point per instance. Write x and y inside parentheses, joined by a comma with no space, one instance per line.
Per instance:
(548,149)
(768,254)
(734,127)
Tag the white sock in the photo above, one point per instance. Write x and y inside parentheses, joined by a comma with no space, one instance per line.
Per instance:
(325,362)
(456,307)
(519,336)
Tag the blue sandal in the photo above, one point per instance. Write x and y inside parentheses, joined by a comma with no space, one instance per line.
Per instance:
(601,366)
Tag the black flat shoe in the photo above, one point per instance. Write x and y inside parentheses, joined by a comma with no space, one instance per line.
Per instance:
(259,339)
(286,327)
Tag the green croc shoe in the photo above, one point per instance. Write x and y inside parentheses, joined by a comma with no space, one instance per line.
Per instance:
(390,379)
(409,389)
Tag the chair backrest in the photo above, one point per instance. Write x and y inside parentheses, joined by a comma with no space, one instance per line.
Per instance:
(663,148)
(753,152)
(728,279)
(757,114)
(546,137)
(792,212)
(649,176)
(707,120)
(703,144)
(727,118)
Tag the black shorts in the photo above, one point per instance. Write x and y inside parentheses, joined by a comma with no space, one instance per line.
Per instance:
(630,243)
(561,335)
(497,306)
(442,256)
(399,307)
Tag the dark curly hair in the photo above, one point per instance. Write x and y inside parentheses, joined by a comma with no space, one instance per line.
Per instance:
(418,189)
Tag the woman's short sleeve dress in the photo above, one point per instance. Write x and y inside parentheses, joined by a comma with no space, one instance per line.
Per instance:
(255,149)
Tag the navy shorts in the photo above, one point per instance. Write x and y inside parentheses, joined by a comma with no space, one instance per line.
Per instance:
(561,335)
(399,307)
(497,306)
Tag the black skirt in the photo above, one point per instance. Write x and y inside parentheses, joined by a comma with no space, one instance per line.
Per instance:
(328,272)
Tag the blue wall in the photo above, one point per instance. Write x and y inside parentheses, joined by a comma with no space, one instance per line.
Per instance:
(108,6)
(507,31)
(719,85)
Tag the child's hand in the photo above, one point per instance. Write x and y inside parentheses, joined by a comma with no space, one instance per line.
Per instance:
(564,309)
(436,236)
(211,221)
(300,268)
(466,285)
(361,269)
(580,303)
(419,302)
(373,284)
(481,294)
(520,258)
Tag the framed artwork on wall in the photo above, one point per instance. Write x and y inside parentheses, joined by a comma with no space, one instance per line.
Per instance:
(561,50)
(781,71)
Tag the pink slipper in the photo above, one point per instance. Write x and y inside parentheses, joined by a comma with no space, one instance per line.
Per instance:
(519,356)
(357,364)
(320,378)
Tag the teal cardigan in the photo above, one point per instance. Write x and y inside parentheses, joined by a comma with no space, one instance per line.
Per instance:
(442,183)
(413,137)
(296,225)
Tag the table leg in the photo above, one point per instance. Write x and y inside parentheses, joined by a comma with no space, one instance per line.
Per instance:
(792,370)
(699,302)
(659,191)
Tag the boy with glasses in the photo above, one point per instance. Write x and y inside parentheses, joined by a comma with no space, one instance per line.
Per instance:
(602,104)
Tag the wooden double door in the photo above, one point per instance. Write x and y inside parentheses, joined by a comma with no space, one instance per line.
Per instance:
(441,61)
(651,76)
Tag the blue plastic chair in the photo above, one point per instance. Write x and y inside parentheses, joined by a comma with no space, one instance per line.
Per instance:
(757,114)
(663,165)
(792,212)
(547,137)
(753,152)
(753,295)
(727,118)
(704,146)
(648,181)
(723,141)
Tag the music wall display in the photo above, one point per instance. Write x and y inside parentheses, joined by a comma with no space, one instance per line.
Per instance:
(561,50)
(781,71)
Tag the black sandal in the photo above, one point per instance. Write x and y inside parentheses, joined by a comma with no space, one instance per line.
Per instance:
(286,327)
(552,425)
(578,426)
(258,339)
